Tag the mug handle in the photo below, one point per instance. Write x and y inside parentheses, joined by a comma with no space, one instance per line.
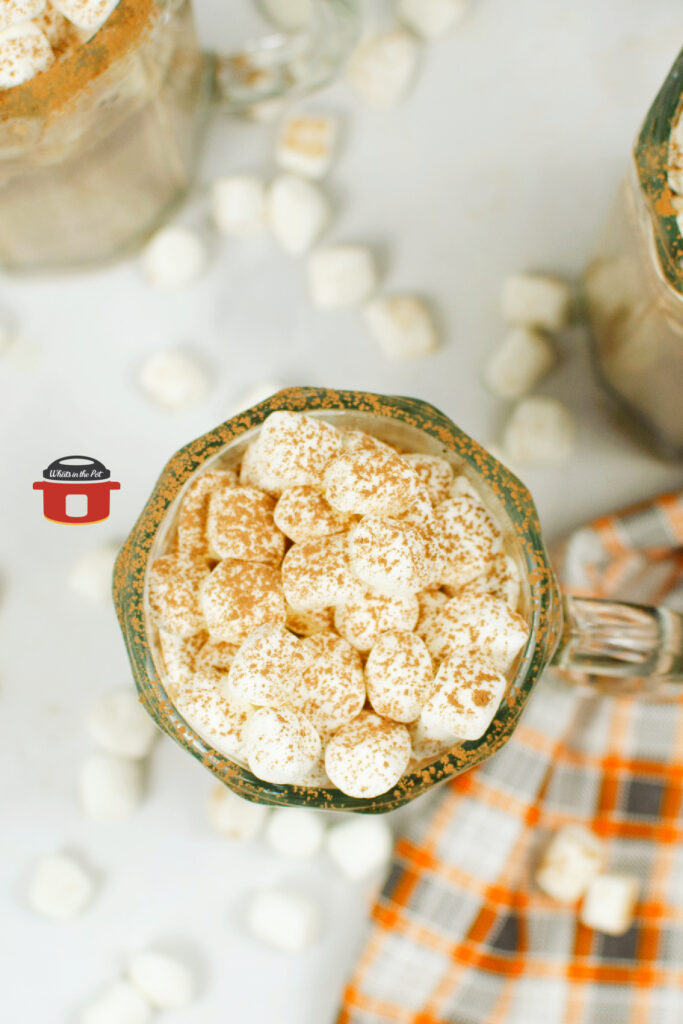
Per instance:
(621,648)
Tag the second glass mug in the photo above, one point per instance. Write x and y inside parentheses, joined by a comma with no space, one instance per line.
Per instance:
(636,649)
(100,149)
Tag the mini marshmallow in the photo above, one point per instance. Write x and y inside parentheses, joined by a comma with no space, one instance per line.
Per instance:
(119,724)
(430,603)
(361,620)
(215,655)
(174,586)
(534,300)
(24,53)
(464,488)
(173,379)
(233,816)
(252,472)
(110,788)
(331,690)
(540,430)
(310,623)
(341,275)
(368,756)
(302,514)
(306,144)
(293,449)
(216,713)
(470,539)
(173,258)
(60,887)
(13,12)
(402,326)
(429,738)
(165,981)
(383,67)
(317,573)
(391,557)
(468,691)
(572,859)
(610,902)
(268,666)
(295,832)
(86,14)
(370,481)
(298,213)
(503,580)
(239,596)
(61,33)
(480,623)
(399,675)
(179,657)
(360,847)
(117,1003)
(431,19)
(519,363)
(238,205)
(240,525)
(283,919)
(194,512)
(281,745)
(435,474)
(91,574)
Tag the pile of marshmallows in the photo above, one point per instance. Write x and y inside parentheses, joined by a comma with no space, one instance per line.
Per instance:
(338,612)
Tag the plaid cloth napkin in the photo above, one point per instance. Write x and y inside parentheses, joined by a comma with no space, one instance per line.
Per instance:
(460,934)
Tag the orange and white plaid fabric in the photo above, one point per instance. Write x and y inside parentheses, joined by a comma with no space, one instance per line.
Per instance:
(460,934)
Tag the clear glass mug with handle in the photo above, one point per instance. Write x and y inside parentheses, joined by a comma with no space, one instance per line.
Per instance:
(632,648)
(97,151)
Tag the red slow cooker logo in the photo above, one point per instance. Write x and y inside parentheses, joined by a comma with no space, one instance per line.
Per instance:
(76,489)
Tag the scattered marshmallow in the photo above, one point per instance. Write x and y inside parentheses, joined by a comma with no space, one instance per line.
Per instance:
(303,514)
(540,430)
(477,623)
(360,847)
(361,620)
(307,143)
(165,981)
(117,1003)
(238,205)
(295,832)
(173,258)
(86,14)
(215,712)
(173,379)
(233,816)
(370,481)
(435,474)
(317,573)
(610,902)
(519,363)
(534,300)
(331,690)
(174,588)
(431,19)
(401,325)
(399,675)
(383,67)
(111,788)
(573,858)
(468,691)
(342,275)
(91,574)
(240,525)
(13,12)
(281,745)
(391,557)
(470,539)
(60,887)
(239,596)
(119,724)
(268,666)
(293,449)
(283,919)
(368,756)
(24,53)
(298,213)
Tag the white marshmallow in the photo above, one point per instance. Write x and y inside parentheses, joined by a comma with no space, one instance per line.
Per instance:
(268,666)
(306,144)
(391,557)
(238,205)
(174,588)
(61,33)
(217,714)
(431,19)
(399,675)
(361,620)
(430,602)
(402,326)
(371,480)
(173,379)
(60,887)
(383,67)
(610,902)
(341,275)
(429,738)
(572,859)
(295,832)
(173,258)
(119,724)
(180,656)
(117,1003)
(360,847)
(215,655)
(468,691)
(240,525)
(293,449)
(310,623)
(535,300)
(163,980)
(478,623)
(540,430)
(435,474)
(287,14)
(302,514)
(463,487)
(24,53)
(470,539)
(524,357)
(91,574)
(13,12)
(86,14)
(331,690)
(281,745)
(111,788)
(503,580)
(239,596)
(317,573)
(283,919)
(234,817)
(298,213)
(368,756)
(256,394)
(194,513)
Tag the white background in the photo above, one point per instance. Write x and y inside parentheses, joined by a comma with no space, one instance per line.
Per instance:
(505,156)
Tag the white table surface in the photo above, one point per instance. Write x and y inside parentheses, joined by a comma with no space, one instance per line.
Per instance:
(505,156)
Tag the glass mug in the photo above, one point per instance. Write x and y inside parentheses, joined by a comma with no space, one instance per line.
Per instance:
(99,150)
(640,647)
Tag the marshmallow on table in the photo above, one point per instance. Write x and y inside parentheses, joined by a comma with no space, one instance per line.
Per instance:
(435,474)
(111,788)
(293,449)
(391,557)
(298,213)
(399,675)
(173,258)
(283,919)
(519,363)
(368,756)
(477,623)
(609,903)
(503,580)
(468,690)
(24,53)
(194,512)
(268,666)
(238,205)
(331,689)
(371,480)
(281,745)
(360,847)
(306,144)
(13,12)
(239,596)
(361,620)
(295,832)
(86,14)
(60,887)
(470,539)
(401,325)
(431,19)
(536,300)
(165,981)
(317,573)
(310,623)
(572,859)
(540,430)
(117,1003)
(302,514)
(240,525)
(234,817)
(215,712)
(91,574)
(173,379)
(174,594)
(383,67)
(341,275)
(119,725)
